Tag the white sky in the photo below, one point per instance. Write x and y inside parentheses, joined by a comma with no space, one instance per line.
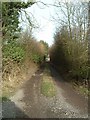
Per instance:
(43,18)
(42,14)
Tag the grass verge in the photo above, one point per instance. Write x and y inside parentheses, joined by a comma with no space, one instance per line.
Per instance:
(47,85)
(81,89)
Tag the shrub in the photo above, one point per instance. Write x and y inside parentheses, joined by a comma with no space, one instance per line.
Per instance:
(13,51)
(70,54)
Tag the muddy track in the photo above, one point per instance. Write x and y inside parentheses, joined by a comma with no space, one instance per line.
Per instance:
(67,103)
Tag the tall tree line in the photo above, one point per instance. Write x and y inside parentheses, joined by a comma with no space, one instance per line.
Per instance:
(70,49)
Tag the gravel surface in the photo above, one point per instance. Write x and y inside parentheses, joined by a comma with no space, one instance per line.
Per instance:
(28,102)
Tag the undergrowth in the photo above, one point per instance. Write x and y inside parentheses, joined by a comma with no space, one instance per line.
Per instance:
(19,57)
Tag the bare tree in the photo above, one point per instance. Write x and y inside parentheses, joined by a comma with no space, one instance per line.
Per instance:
(74,15)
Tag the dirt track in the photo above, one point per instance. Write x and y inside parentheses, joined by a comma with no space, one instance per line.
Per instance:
(28,102)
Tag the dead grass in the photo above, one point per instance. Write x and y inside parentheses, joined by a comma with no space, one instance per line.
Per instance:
(13,81)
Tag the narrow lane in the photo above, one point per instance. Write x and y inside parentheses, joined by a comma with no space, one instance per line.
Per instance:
(67,103)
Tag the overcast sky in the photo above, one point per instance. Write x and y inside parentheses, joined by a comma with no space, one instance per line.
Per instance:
(42,14)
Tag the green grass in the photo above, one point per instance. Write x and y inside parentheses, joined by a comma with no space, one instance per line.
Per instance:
(4,98)
(82,89)
(47,70)
(48,87)
(47,84)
